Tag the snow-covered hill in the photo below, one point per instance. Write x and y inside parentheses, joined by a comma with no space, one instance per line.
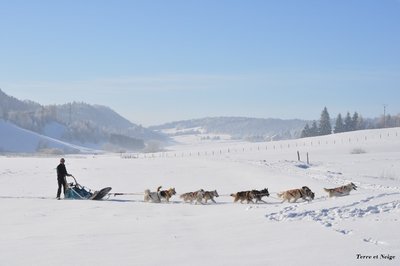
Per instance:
(79,123)
(244,128)
(14,139)
(358,229)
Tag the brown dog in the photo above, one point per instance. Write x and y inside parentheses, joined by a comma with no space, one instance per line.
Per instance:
(242,195)
(305,193)
(341,191)
(166,194)
(191,196)
(249,195)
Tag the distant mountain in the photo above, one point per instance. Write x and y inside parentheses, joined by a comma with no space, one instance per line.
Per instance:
(93,126)
(10,104)
(102,118)
(252,129)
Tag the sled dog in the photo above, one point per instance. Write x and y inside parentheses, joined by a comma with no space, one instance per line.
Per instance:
(209,195)
(241,195)
(305,193)
(166,194)
(341,191)
(151,196)
(193,196)
(249,195)
(258,194)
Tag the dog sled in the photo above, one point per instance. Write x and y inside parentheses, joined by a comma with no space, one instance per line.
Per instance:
(75,191)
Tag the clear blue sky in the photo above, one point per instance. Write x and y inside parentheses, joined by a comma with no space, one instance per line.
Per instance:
(158,61)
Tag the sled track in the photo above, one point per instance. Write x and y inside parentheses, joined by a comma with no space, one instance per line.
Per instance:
(332,217)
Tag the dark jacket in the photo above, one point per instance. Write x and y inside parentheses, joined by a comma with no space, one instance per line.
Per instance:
(62,171)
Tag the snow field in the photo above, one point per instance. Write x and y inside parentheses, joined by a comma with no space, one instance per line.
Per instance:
(38,230)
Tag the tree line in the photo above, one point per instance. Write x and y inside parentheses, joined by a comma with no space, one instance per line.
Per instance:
(348,123)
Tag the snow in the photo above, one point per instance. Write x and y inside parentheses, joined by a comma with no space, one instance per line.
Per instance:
(18,140)
(123,230)
(54,130)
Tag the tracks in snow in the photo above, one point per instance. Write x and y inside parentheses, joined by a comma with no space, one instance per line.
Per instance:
(332,217)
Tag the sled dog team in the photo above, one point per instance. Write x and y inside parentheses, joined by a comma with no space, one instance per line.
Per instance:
(201,195)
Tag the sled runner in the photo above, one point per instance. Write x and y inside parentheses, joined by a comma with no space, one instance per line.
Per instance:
(76,191)
(98,195)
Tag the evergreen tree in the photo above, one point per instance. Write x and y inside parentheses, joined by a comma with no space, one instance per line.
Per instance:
(355,121)
(361,124)
(306,131)
(389,122)
(348,123)
(339,126)
(325,127)
(314,129)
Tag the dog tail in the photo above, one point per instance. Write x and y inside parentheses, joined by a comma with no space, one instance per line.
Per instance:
(147,195)
(158,189)
(327,190)
(280,194)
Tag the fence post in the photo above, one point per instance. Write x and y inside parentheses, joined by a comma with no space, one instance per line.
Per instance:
(308,161)
(298,156)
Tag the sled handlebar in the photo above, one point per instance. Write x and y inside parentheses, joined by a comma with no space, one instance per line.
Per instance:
(76,182)
(74,179)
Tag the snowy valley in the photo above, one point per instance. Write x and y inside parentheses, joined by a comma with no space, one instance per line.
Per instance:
(358,229)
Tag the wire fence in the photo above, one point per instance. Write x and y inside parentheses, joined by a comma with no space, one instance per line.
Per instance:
(269,146)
